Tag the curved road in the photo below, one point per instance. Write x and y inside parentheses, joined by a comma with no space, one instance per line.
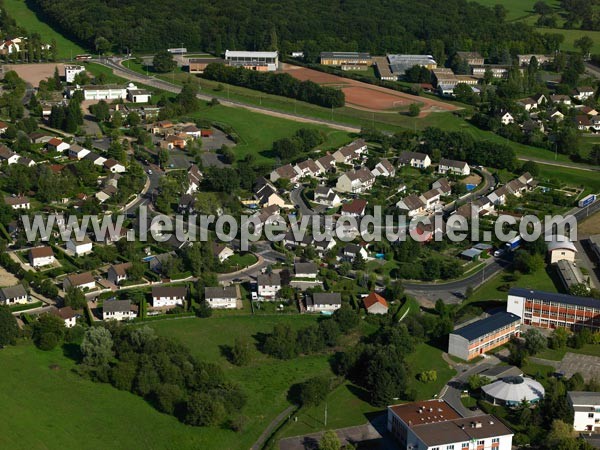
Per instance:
(118,69)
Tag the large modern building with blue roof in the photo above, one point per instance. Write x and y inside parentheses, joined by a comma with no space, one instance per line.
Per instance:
(550,310)
(479,337)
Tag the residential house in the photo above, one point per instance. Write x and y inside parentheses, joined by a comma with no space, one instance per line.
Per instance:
(375,304)
(324,195)
(114,166)
(95,158)
(18,202)
(308,168)
(556,115)
(384,168)
(287,172)
(222,297)
(76,151)
(118,310)
(442,186)
(118,272)
(41,256)
(81,246)
(57,145)
(267,195)
(80,281)
(586,407)
(168,296)
(435,425)
(221,251)
(506,118)
(527,103)
(326,302)
(482,336)
(307,270)
(67,314)
(326,163)
(412,205)
(356,181)
(348,153)
(414,159)
(355,208)
(350,251)
(290,241)
(583,93)
(323,246)
(7,155)
(431,198)
(582,122)
(105,194)
(561,99)
(194,178)
(13,295)
(269,285)
(27,162)
(155,262)
(455,167)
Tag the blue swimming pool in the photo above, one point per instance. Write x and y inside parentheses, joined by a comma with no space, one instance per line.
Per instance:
(470,187)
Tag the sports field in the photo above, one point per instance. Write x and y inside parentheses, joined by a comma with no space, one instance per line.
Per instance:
(366,96)
(25,17)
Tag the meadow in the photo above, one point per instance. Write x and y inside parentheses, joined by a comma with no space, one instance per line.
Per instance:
(29,20)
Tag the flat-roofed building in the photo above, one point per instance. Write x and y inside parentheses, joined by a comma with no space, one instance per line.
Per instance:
(198,65)
(434,424)
(586,407)
(347,60)
(479,337)
(551,310)
(570,274)
(259,61)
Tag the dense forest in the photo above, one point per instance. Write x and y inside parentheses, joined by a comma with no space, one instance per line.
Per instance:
(436,26)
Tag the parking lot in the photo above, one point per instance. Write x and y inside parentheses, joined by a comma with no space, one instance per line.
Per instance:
(588,366)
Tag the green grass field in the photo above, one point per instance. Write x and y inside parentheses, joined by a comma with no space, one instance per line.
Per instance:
(572,177)
(572,35)
(559,354)
(25,17)
(490,290)
(427,357)
(67,411)
(258,131)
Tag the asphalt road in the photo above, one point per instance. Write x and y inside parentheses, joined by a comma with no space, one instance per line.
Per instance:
(120,70)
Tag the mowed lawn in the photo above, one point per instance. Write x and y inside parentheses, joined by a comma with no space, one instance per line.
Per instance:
(572,35)
(25,17)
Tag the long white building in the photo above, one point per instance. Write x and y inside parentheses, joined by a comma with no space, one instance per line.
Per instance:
(260,61)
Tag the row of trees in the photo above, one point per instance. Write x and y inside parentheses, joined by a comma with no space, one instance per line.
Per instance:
(304,140)
(277,84)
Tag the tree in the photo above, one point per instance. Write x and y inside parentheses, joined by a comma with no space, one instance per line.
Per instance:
(329,441)
(102,45)
(532,167)
(48,331)
(241,352)
(203,310)
(133,119)
(163,62)
(535,341)
(313,391)
(477,382)
(101,111)
(414,110)
(75,298)
(97,347)
(346,318)
(9,329)
(163,158)
(585,44)
(203,410)
(542,8)
(559,338)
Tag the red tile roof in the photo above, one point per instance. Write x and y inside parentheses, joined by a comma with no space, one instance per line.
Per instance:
(373,298)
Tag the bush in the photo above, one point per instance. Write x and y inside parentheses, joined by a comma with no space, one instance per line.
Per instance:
(47,341)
